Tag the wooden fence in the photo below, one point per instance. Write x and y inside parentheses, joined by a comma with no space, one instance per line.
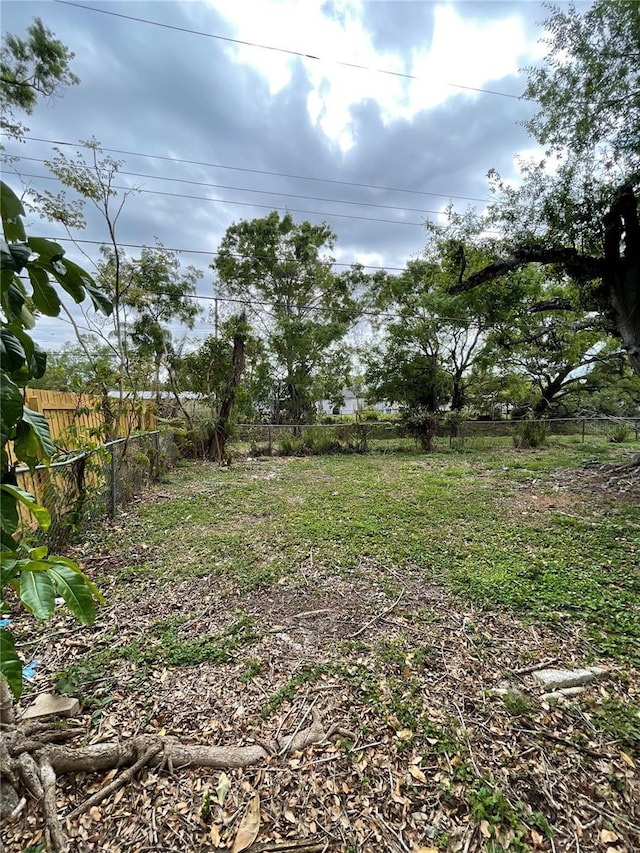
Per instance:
(76,422)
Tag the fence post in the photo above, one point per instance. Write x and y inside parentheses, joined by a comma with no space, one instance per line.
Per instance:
(156,439)
(583,430)
(269,440)
(112,483)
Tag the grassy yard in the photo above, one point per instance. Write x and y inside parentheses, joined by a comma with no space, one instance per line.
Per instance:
(403,597)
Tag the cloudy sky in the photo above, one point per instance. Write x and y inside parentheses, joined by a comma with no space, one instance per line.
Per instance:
(370,114)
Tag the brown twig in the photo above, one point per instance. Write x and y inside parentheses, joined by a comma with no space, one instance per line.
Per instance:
(535,667)
(586,749)
(376,617)
(127,774)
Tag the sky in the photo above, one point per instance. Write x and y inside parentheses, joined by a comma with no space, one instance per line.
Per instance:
(371,115)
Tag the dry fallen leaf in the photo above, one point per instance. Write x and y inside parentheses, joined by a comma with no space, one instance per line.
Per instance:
(417,774)
(426,850)
(485,829)
(249,826)
(95,813)
(214,835)
(627,759)
(222,788)
(607,836)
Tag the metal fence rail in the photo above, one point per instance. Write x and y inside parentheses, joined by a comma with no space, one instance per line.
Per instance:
(93,483)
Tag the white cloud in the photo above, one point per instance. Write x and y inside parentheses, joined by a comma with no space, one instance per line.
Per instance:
(462,51)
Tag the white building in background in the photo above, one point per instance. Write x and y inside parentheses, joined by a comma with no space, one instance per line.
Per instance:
(352,404)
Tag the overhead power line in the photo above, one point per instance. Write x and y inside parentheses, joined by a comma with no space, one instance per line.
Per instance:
(255,204)
(252,171)
(211,252)
(237,189)
(299,53)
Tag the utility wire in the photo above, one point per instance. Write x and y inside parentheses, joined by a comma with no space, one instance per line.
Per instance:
(255,204)
(299,53)
(252,171)
(211,252)
(235,189)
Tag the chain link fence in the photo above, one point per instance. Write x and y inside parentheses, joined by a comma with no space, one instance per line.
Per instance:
(288,439)
(82,489)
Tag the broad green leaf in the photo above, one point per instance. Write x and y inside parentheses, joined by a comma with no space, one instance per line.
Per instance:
(26,445)
(12,353)
(10,663)
(46,249)
(13,298)
(76,568)
(45,297)
(73,587)
(41,514)
(38,553)
(11,210)
(8,567)
(38,362)
(40,426)
(100,301)
(9,515)
(20,253)
(10,406)
(64,272)
(37,592)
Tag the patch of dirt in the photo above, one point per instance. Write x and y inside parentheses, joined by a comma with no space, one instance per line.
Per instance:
(438,758)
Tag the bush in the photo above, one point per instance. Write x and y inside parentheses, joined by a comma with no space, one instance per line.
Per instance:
(370,415)
(423,426)
(531,434)
(619,433)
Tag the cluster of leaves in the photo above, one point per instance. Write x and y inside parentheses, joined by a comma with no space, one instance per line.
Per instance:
(36,577)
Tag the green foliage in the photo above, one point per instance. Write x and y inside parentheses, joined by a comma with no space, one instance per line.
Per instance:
(35,577)
(531,434)
(284,266)
(423,426)
(619,721)
(31,67)
(619,433)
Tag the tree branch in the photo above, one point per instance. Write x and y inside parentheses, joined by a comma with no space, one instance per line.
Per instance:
(574,264)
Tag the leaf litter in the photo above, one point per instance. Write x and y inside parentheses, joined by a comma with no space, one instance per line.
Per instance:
(443,746)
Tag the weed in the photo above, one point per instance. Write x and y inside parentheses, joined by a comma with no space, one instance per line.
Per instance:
(288,690)
(531,434)
(517,704)
(619,433)
(619,721)
(254,667)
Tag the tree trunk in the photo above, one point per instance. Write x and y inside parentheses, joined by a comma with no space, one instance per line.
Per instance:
(217,443)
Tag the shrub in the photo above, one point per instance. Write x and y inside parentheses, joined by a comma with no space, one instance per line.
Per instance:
(531,434)
(423,426)
(619,433)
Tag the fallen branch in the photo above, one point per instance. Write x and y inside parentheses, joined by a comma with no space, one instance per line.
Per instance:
(113,786)
(556,739)
(36,763)
(377,617)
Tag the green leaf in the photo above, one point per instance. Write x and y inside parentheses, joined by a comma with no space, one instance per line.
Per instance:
(9,567)
(74,588)
(100,301)
(64,272)
(38,362)
(20,252)
(10,406)
(76,568)
(41,514)
(37,592)
(26,445)
(9,515)
(12,353)
(11,210)
(38,553)
(41,428)
(10,663)
(46,249)
(13,297)
(45,297)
